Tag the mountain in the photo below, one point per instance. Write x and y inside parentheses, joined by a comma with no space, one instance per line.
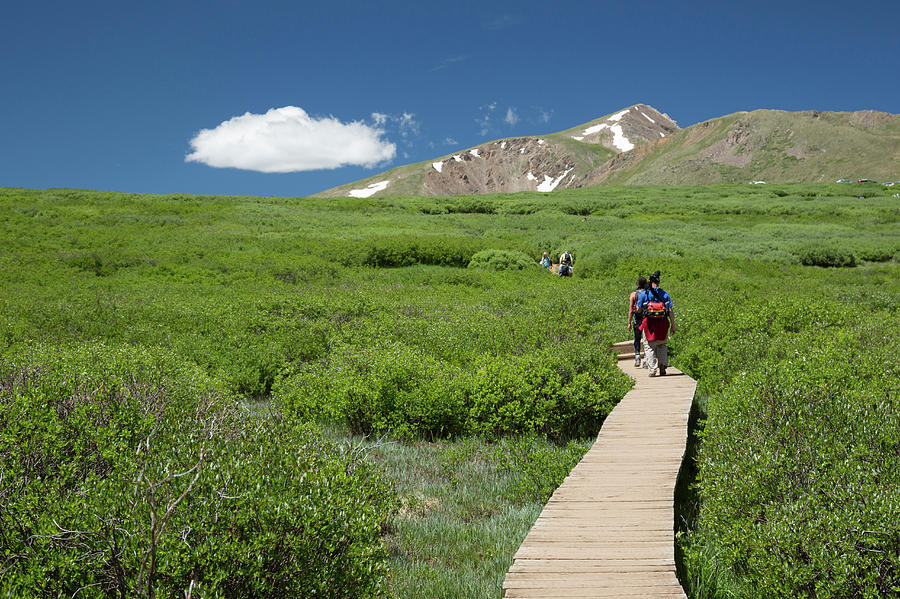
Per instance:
(641,146)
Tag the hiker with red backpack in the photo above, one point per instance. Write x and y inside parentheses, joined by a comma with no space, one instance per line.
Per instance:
(658,319)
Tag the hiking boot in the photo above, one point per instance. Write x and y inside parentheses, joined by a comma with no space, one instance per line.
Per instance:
(662,371)
(645,364)
(654,372)
(637,361)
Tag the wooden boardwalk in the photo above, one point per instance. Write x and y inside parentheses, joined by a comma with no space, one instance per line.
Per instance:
(608,530)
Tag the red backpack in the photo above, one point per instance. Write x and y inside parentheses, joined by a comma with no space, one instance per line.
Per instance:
(655,309)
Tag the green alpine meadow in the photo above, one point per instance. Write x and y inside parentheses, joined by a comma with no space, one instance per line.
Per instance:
(224,396)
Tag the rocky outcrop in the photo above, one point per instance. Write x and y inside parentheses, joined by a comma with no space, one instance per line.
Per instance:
(509,165)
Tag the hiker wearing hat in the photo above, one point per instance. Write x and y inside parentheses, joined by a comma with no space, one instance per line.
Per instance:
(658,320)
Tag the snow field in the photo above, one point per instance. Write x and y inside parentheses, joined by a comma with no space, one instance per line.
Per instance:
(619,139)
(595,129)
(370,190)
(549,184)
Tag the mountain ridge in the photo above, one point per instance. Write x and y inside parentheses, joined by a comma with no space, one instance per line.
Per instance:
(640,145)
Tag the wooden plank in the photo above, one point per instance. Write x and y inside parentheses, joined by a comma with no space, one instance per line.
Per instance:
(608,530)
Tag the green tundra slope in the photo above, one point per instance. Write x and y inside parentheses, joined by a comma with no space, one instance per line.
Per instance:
(768,145)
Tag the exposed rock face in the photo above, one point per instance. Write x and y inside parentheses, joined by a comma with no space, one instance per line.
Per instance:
(509,165)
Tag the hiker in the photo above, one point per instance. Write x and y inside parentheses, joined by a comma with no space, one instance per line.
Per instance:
(634,319)
(565,264)
(658,320)
(545,261)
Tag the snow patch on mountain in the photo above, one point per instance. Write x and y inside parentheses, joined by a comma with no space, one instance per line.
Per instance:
(648,118)
(438,166)
(619,139)
(549,184)
(474,153)
(618,116)
(577,137)
(594,129)
(457,158)
(370,190)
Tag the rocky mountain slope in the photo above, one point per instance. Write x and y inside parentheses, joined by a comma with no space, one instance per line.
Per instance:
(641,146)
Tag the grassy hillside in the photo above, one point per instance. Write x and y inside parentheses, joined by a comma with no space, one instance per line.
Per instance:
(773,146)
(300,358)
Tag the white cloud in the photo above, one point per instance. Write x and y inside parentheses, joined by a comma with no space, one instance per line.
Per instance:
(287,139)
(512,117)
(545,115)
(483,120)
(404,124)
(450,141)
(408,124)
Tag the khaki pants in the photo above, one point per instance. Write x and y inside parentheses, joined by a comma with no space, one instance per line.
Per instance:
(656,353)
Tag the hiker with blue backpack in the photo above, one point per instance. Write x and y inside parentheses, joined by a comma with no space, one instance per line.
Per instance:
(658,319)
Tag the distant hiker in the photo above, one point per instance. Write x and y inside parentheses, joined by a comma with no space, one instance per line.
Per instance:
(658,320)
(635,319)
(545,261)
(565,264)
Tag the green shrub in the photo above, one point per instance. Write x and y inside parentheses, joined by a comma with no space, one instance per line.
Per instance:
(826,256)
(395,388)
(126,473)
(386,388)
(472,205)
(385,252)
(501,260)
(800,488)
(540,393)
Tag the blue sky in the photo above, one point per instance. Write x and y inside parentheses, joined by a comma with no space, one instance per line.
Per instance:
(116,95)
